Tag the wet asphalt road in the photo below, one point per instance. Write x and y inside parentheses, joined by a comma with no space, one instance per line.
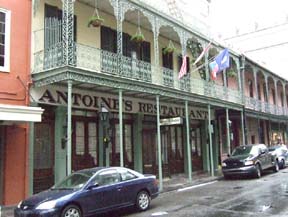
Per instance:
(267,196)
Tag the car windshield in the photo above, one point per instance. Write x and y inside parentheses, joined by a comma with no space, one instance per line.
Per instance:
(74,181)
(245,150)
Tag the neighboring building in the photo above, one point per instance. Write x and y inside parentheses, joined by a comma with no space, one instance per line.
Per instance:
(155,122)
(15,52)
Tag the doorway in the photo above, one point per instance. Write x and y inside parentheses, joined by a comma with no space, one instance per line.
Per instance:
(43,156)
(149,151)
(84,143)
(2,139)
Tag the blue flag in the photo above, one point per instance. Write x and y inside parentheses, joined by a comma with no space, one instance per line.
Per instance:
(221,62)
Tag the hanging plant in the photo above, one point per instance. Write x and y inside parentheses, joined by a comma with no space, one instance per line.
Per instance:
(170,48)
(95,20)
(231,73)
(138,37)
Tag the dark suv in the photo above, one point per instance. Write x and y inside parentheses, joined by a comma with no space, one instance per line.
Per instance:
(249,160)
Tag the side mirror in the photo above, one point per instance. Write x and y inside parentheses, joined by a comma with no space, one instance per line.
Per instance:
(92,186)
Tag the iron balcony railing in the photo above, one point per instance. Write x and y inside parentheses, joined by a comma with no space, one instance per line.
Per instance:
(101,61)
(265,107)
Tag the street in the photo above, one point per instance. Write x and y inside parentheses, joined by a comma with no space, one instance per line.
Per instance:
(266,196)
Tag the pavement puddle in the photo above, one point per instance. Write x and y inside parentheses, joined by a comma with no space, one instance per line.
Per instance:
(195,186)
(159,213)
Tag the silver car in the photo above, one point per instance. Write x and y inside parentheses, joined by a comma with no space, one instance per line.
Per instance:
(281,153)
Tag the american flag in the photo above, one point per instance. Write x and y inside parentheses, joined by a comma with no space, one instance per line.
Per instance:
(183,69)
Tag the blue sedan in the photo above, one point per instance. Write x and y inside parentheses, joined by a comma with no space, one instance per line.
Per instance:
(92,191)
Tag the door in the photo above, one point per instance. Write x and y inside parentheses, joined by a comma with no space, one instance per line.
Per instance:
(107,194)
(165,148)
(84,143)
(176,157)
(196,147)
(43,156)
(2,139)
(149,151)
(127,145)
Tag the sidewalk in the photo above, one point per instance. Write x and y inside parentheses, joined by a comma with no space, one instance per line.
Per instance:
(181,181)
(169,184)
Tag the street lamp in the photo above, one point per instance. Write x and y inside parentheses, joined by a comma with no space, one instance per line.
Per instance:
(104,113)
(104,117)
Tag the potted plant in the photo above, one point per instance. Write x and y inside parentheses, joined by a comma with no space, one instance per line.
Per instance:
(231,73)
(95,21)
(138,37)
(170,48)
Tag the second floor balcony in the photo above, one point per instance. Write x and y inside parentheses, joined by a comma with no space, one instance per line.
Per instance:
(99,61)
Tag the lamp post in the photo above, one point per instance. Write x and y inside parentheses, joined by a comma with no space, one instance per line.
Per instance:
(104,117)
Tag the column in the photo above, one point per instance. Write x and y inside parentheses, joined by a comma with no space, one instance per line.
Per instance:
(228,130)
(69,129)
(121,127)
(243,128)
(119,19)
(189,160)
(68,32)
(159,144)
(256,88)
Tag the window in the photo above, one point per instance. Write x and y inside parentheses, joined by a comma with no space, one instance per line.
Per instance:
(250,84)
(126,175)
(107,177)
(4,40)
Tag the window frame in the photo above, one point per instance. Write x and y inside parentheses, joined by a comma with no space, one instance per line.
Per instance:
(7,34)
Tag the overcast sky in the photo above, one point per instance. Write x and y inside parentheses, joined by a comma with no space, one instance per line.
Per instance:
(269,18)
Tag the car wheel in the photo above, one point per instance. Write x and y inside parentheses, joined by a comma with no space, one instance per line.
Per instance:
(71,211)
(258,171)
(283,164)
(143,201)
(276,167)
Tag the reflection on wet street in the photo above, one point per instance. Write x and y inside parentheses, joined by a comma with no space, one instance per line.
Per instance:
(267,196)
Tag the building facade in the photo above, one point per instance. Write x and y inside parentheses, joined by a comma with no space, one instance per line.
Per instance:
(111,97)
(15,112)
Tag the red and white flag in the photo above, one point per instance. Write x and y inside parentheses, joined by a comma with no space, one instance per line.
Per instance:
(183,69)
(205,50)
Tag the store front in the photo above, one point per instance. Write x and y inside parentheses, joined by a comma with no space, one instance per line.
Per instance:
(97,143)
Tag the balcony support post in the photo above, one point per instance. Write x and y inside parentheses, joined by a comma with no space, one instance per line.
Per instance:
(256,87)
(159,145)
(228,131)
(68,33)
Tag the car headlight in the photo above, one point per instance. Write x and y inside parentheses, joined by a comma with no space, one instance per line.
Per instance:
(224,164)
(19,204)
(47,205)
(248,162)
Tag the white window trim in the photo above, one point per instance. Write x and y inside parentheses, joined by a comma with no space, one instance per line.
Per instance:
(6,67)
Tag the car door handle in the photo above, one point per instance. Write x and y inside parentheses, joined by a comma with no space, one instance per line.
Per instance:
(119,188)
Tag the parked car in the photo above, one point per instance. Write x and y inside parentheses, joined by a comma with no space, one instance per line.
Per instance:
(92,191)
(249,160)
(281,153)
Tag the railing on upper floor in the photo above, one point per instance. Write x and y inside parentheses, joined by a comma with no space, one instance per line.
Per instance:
(101,61)
(265,107)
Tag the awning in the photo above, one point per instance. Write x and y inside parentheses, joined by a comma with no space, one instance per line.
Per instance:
(11,113)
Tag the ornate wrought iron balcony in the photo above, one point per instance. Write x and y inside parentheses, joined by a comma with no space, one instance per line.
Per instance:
(265,107)
(100,61)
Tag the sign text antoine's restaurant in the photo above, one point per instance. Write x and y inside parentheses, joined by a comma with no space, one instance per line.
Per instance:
(92,101)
